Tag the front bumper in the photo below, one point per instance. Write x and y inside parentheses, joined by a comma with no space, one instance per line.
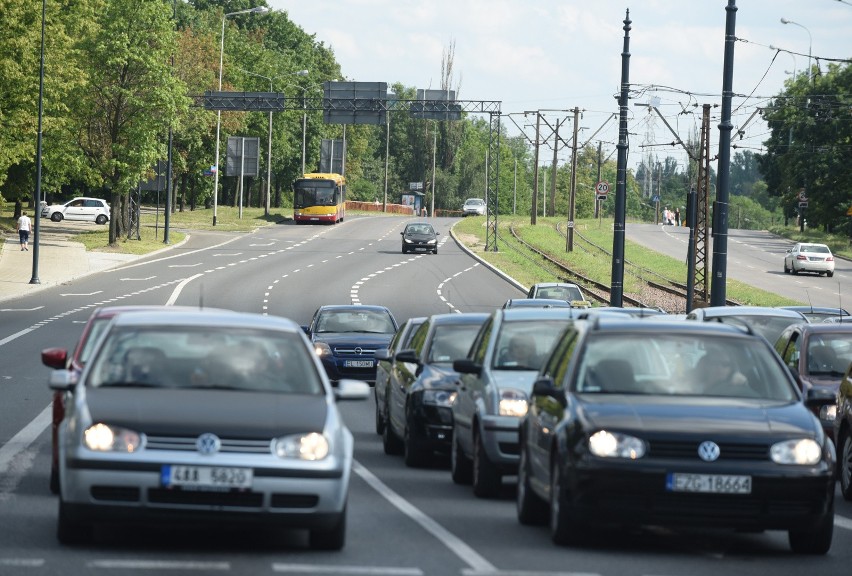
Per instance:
(501,442)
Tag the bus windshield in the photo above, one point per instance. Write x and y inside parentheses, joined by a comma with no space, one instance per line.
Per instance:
(313,193)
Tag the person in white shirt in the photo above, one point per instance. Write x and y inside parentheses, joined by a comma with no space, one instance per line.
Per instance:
(23,227)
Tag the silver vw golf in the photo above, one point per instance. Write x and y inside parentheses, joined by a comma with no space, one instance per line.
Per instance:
(204,416)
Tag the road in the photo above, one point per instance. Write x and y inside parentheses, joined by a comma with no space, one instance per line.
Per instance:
(756,258)
(402,521)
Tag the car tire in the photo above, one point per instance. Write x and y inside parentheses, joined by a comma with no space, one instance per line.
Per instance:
(786,270)
(461,468)
(487,479)
(69,531)
(56,216)
(814,540)
(532,510)
(404,251)
(564,526)
(101,219)
(844,465)
(830,273)
(414,455)
(435,251)
(333,538)
(793,270)
(390,441)
(54,480)
(380,420)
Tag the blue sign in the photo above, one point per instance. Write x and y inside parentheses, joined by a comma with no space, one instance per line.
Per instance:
(655,198)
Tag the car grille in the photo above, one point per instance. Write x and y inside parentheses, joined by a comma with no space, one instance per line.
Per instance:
(229,445)
(689,450)
(232,499)
(341,351)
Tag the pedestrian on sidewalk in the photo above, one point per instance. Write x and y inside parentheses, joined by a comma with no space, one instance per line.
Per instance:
(23,227)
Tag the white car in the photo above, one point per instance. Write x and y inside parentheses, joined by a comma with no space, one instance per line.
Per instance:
(90,209)
(473,207)
(806,257)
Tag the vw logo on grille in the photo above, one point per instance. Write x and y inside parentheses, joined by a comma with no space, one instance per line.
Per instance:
(708,451)
(358,350)
(208,444)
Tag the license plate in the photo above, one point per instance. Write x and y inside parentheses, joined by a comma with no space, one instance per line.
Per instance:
(214,477)
(358,363)
(708,483)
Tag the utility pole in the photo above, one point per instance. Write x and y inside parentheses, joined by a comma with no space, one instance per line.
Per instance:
(618,237)
(569,247)
(553,169)
(598,202)
(535,172)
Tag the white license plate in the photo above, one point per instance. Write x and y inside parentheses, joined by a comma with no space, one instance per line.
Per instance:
(358,363)
(215,477)
(708,483)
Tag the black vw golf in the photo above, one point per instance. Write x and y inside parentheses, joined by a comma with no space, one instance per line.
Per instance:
(640,422)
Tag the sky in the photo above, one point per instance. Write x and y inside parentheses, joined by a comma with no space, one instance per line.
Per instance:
(554,55)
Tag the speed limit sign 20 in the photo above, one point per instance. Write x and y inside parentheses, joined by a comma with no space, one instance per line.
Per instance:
(602,189)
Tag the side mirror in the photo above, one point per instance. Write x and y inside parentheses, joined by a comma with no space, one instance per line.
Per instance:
(818,397)
(382,354)
(467,366)
(408,355)
(402,233)
(349,389)
(306,329)
(56,358)
(545,387)
(62,380)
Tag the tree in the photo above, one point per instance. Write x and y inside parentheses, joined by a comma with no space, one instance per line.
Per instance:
(130,99)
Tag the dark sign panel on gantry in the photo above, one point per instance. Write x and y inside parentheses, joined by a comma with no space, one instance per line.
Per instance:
(435,105)
(354,102)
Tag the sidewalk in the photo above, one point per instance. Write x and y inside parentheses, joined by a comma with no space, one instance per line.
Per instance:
(60,260)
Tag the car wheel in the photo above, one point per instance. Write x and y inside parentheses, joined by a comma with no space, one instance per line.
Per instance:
(830,273)
(844,462)
(69,531)
(532,510)
(814,540)
(54,480)
(380,420)
(56,216)
(563,528)
(101,219)
(486,476)
(390,441)
(786,270)
(329,538)
(413,453)
(460,465)
(793,270)
(404,251)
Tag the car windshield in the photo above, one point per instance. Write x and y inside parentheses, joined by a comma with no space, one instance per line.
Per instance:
(369,321)
(681,365)
(194,357)
(815,248)
(829,354)
(475,202)
(451,342)
(524,345)
(560,292)
(419,229)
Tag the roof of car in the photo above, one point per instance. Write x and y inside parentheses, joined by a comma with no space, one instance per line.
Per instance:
(455,318)
(825,327)
(817,310)
(209,317)
(551,284)
(536,303)
(109,311)
(624,322)
(353,307)
(713,311)
(538,313)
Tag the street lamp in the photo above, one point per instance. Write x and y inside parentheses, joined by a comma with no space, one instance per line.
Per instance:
(810,41)
(255,10)
(269,132)
(35,279)
(304,90)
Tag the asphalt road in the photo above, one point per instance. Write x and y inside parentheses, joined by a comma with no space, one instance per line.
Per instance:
(402,521)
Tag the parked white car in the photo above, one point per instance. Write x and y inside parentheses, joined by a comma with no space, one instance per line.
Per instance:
(474,207)
(809,258)
(90,209)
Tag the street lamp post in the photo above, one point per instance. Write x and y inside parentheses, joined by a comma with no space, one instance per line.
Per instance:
(36,241)
(810,41)
(269,131)
(255,10)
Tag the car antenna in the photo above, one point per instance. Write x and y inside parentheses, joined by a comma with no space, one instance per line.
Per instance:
(808,294)
(201,297)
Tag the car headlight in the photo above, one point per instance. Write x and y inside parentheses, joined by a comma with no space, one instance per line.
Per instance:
(513,403)
(311,446)
(104,438)
(616,445)
(432,241)
(803,452)
(407,240)
(828,413)
(322,349)
(439,397)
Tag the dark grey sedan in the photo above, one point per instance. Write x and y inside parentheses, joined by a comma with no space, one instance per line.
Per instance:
(419,236)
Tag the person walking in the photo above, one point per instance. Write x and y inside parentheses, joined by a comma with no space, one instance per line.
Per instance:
(23,227)
(677,216)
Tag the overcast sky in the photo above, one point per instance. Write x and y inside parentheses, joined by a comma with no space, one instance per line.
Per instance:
(558,54)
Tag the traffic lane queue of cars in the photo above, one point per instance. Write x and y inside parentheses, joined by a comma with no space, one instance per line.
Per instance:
(200,416)
(637,422)
(422,387)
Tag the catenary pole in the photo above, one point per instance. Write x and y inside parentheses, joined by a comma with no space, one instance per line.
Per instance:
(616,294)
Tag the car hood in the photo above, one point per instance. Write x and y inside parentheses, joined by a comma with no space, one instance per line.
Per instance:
(354,339)
(187,412)
(697,415)
(436,376)
(517,379)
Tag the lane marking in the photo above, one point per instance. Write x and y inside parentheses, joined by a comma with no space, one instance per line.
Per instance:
(159,565)
(371,570)
(179,288)
(137,279)
(21,309)
(81,293)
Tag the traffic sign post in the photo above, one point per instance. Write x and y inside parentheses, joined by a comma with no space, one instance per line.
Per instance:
(602,189)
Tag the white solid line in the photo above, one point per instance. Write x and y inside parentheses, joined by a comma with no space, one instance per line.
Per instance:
(185,265)
(22,440)
(16,335)
(137,279)
(842,522)
(372,570)
(456,545)
(28,562)
(80,294)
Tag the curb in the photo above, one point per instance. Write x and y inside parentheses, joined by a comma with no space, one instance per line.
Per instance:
(487,264)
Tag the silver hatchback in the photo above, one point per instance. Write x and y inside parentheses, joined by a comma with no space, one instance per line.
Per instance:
(204,416)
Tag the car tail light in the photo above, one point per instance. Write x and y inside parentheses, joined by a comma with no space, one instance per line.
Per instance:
(801,257)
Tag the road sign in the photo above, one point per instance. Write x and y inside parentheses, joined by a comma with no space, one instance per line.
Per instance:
(570,223)
(803,197)
(803,204)
(655,198)
(602,188)
(603,196)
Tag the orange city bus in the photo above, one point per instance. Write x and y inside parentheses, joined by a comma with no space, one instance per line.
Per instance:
(319,197)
